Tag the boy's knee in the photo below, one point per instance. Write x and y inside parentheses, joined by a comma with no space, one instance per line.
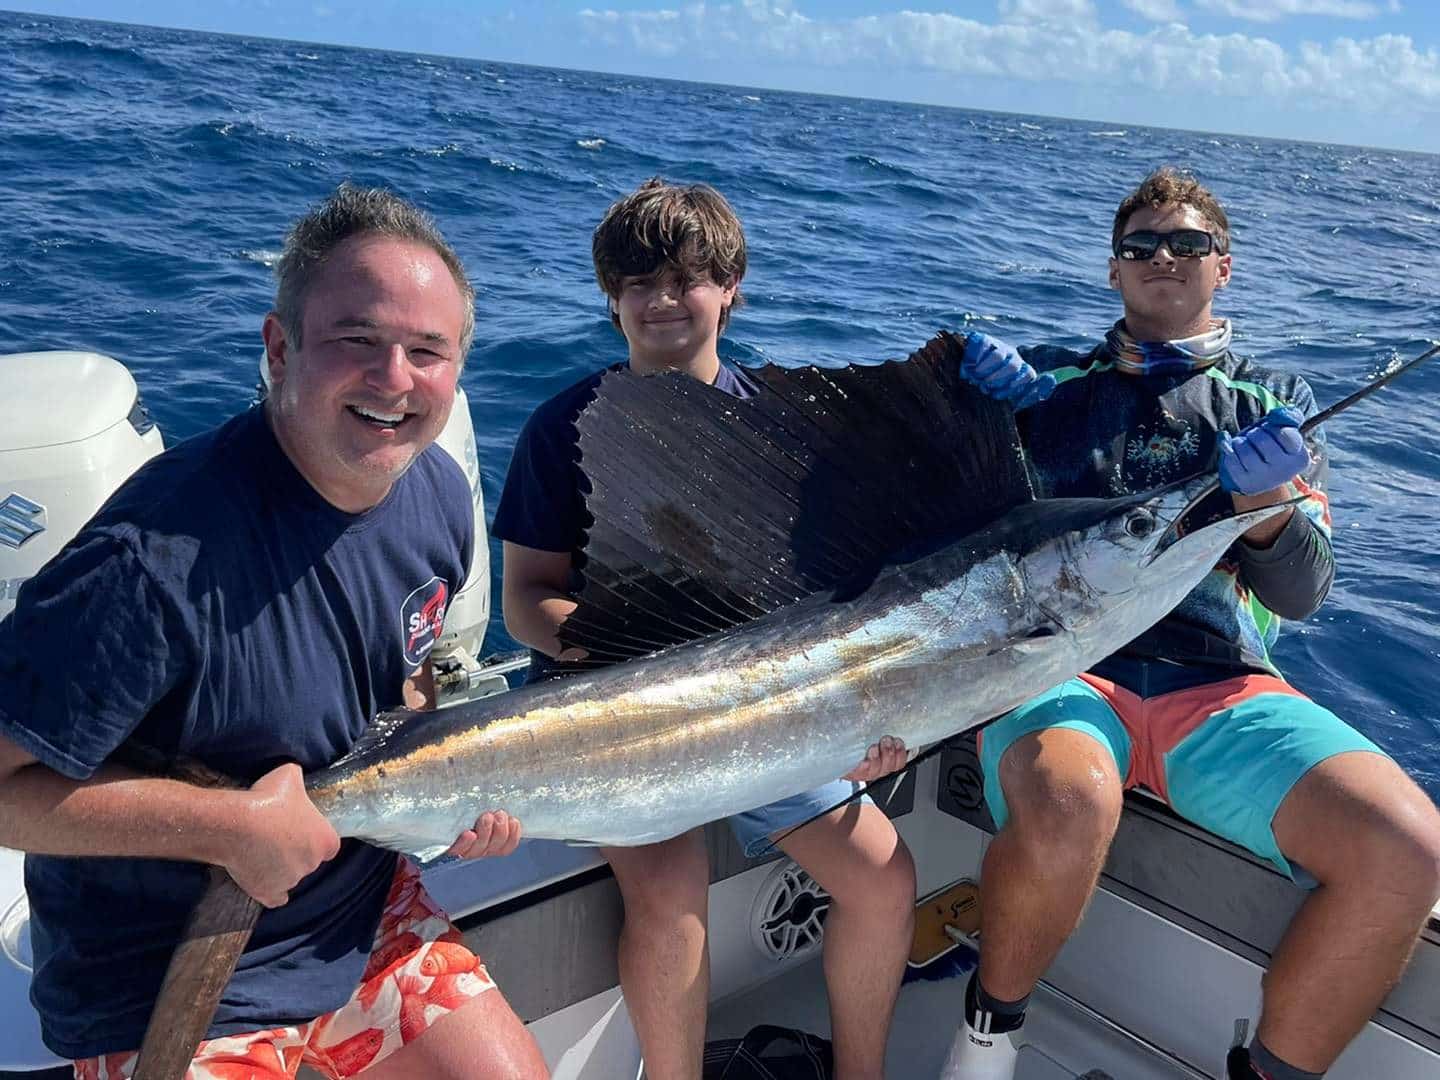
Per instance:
(1063,794)
(1406,856)
(661,878)
(1393,851)
(664,898)
(887,888)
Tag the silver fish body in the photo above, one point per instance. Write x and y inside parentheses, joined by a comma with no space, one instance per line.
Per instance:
(648,749)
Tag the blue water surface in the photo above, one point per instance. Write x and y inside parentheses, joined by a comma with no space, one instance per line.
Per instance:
(147,177)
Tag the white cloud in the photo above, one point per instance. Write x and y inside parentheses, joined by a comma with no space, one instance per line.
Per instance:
(1155,10)
(1047,11)
(1038,41)
(1275,10)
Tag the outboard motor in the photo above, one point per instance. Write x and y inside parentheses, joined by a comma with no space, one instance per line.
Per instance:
(72,428)
(458,649)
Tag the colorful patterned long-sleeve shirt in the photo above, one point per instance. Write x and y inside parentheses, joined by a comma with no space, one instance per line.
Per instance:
(1108,433)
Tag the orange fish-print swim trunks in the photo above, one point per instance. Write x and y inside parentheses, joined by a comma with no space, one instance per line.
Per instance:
(419,971)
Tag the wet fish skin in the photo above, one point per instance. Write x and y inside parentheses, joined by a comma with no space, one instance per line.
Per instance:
(642,751)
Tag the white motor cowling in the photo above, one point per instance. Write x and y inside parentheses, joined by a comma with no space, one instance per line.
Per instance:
(469,611)
(72,428)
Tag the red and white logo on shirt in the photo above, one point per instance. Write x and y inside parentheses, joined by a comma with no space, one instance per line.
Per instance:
(422,618)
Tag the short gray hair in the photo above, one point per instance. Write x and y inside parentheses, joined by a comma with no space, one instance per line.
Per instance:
(357,211)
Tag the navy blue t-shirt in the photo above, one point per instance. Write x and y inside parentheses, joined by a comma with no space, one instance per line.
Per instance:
(218,608)
(543,503)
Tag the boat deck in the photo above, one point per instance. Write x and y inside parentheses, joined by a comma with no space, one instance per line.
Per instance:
(1063,1039)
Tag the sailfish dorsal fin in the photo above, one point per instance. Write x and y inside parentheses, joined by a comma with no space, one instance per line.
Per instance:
(710,510)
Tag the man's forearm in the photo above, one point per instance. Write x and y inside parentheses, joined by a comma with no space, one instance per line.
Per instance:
(118,812)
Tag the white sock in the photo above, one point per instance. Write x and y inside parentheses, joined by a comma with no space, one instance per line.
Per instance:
(977,1055)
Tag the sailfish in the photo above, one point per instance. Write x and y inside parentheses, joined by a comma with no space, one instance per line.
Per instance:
(769,586)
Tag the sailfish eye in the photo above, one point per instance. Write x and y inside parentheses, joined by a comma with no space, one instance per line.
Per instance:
(1140,524)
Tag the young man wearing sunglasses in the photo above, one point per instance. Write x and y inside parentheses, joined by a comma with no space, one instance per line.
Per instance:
(1193,710)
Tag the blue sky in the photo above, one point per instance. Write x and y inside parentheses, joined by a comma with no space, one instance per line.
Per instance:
(1353,71)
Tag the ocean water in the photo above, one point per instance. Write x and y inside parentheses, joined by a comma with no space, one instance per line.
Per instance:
(147,177)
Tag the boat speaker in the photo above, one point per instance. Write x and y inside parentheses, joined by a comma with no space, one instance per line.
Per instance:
(787,917)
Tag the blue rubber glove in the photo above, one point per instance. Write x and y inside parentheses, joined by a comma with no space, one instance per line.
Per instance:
(1267,454)
(997,369)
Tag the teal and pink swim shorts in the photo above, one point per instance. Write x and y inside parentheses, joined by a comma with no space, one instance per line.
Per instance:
(1223,755)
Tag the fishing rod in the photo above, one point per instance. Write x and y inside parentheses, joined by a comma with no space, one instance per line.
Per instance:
(1365,391)
(1379,382)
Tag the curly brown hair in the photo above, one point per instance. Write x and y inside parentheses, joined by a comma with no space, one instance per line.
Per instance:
(660,226)
(1168,186)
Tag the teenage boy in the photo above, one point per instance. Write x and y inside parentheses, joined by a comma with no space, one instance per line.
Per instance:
(1193,709)
(670,260)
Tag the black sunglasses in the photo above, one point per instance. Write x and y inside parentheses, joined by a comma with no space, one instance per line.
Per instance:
(1183,244)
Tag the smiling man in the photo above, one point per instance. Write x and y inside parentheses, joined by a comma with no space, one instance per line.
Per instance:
(251,599)
(1193,710)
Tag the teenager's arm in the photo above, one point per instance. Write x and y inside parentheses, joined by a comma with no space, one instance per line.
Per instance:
(1267,532)
(1286,562)
(535,596)
(267,837)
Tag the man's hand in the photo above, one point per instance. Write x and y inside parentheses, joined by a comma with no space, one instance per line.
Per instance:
(282,839)
(882,759)
(1266,455)
(998,370)
(495,833)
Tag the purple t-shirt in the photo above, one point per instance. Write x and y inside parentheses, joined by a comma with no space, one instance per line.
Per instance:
(217,608)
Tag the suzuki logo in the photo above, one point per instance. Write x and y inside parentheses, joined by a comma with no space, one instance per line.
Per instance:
(20,519)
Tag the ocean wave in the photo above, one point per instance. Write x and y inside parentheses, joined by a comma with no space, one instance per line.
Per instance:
(590,144)
(435,151)
(80,51)
(70,84)
(870,161)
